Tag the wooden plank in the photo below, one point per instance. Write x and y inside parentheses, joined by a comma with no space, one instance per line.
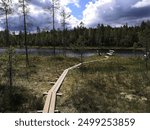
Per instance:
(52,103)
(51,97)
(59,94)
(47,102)
(55,89)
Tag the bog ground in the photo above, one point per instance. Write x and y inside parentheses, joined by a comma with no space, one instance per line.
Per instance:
(118,84)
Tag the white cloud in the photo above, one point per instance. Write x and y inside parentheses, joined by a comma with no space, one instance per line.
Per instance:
(115,12)
(73,21)
(63,4)
(91,13)
(40,17)
(112,12)
(142,3)
(67,2)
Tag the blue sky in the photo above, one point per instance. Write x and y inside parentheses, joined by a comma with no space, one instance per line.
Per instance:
(90,12)
(77,11)
(112,12)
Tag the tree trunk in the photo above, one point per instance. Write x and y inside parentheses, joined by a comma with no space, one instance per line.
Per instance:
(10,52)
(53,8)
(53,16)
(146,59)
(63,43)
(25,35)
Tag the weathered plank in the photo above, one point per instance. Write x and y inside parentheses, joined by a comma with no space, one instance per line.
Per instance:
(50,102)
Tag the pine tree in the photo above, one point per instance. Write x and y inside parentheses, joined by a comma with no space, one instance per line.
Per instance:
(64,17)
(52,8)
(6,9)
(24,7)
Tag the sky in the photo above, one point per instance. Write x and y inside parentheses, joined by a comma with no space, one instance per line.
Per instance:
(91,12)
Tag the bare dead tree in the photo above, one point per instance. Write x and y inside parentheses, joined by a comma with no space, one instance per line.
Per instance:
(52,8)
(23,4)
(64,17)
(6,9)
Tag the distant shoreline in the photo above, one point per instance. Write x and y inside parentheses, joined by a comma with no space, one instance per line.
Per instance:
(85,48)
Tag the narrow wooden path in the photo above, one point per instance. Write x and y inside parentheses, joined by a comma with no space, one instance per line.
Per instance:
(50,102)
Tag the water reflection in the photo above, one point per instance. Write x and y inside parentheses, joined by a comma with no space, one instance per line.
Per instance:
(75,53)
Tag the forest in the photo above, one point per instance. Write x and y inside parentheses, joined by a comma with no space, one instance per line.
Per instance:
(101,36)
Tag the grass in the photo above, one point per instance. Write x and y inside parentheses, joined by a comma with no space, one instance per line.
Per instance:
(119,84)
(27,93)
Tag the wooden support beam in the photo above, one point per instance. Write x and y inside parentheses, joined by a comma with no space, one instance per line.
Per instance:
(59,94)
(52,83)
(56,111)
(40,111)
(45,93)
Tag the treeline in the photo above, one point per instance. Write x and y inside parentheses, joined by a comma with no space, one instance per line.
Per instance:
(124,36)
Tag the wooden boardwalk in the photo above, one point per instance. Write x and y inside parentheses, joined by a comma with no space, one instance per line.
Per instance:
(50,102)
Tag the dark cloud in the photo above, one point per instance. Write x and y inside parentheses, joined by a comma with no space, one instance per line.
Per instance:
(39,3)
(131,16)
(37,17)
(139,12)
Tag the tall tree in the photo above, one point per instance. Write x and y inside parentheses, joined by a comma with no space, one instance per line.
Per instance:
(6,9)
(98,38)
(64,17)
(23,5)
(80,43)
(53,7)
(38,37)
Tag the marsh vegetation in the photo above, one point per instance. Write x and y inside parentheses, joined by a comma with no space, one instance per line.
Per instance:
(27,93)
(118,84)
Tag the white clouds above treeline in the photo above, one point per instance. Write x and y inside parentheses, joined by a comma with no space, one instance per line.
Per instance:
(39,16)
(112,12)
(116,12)
(142,3)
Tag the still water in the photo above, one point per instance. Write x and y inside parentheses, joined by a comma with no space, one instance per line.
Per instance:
(74,53)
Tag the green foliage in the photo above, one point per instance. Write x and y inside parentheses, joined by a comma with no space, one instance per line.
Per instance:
(144,38)
(124,36)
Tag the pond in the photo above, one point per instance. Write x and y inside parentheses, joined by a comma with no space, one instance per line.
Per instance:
(74,53)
